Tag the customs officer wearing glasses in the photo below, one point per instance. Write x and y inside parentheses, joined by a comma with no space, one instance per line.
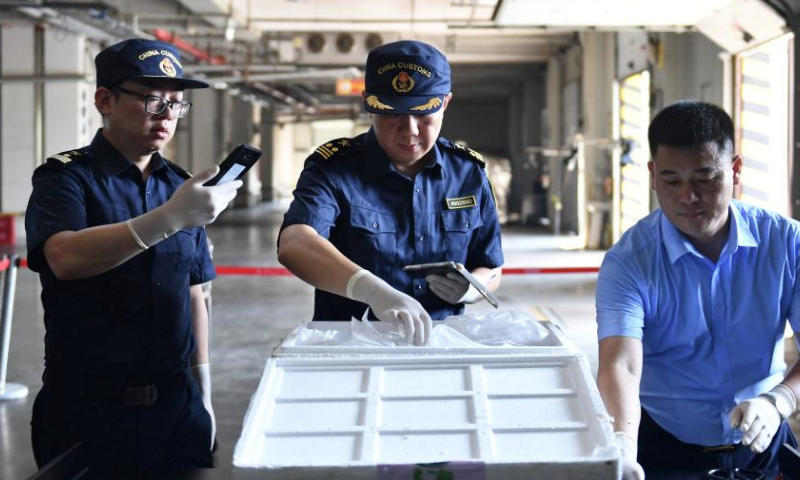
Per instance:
(692,305)
(397,195)
(115,231)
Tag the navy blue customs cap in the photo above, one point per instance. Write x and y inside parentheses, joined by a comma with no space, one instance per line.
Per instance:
(138,58)
(406,77)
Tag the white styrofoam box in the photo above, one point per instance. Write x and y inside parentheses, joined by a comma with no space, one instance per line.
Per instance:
(555,342)
(375,417)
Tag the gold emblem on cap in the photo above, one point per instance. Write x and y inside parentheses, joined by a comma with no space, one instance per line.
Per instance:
(373,102)
(403,83)
(432,103)
(167,67)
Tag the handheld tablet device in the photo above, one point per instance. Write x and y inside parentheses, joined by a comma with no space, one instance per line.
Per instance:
(235,165)
(443,268)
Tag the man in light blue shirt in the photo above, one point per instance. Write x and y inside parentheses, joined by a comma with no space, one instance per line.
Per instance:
(692,304)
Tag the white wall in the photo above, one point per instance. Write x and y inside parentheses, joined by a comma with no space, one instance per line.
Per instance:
(692,68)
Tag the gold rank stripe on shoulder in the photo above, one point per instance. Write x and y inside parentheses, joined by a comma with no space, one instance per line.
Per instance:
(330,149)
(64,157)
(472,152)
(461,202)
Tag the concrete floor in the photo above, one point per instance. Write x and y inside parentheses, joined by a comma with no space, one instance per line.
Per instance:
(251,314)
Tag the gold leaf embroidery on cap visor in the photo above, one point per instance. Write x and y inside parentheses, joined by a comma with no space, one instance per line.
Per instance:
(373,102)
(432,103)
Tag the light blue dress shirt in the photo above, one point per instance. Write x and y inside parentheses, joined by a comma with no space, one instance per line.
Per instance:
(712,334)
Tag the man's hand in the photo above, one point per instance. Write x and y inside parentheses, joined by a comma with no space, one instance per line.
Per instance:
(629,468)
(202,374)
(759,419)
(453,288)
(193,205)
(391,305)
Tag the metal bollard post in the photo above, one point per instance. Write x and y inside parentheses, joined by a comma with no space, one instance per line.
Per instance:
(9,391)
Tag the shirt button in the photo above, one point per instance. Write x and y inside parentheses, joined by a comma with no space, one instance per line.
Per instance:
(419,286)
(158,284)
(417,189)
(466,224)
(374,224)
(421,238)
(148,192)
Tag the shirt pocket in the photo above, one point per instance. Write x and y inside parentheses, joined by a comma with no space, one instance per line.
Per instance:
(372,241)
(182,247)
(458,226)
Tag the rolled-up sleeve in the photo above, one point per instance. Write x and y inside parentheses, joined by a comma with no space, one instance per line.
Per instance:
(202,267)
(618,301)
(793,314)
(486,249)
(57,204)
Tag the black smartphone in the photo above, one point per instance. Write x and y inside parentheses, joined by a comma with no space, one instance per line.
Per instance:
(235,165)
(443,268)
(437,268)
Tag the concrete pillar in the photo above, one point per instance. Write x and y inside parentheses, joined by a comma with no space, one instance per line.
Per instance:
(284,171)
(267,162)
(194,145)
(70,118)
(598,83)
(245,122)
(18,117)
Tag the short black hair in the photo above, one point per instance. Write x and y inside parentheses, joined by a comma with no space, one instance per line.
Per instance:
(691,124)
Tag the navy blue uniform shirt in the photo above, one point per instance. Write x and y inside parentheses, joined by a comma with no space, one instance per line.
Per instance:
(383,220)
(136,317)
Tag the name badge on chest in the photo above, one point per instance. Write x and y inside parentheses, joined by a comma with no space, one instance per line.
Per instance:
(461,202)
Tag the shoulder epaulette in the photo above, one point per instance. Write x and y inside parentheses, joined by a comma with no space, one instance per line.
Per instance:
(68,156)
(333,148)
(181,171)
(467,152)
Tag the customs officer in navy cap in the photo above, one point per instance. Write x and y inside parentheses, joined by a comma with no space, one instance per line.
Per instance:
(399,194)
(115,231)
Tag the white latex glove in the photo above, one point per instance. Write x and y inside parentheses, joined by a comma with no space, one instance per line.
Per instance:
(758,419)
(453,288)
(202,375)
(629,468)
(193,205)
(391,305)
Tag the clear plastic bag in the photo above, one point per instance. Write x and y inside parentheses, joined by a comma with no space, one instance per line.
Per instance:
(501,328)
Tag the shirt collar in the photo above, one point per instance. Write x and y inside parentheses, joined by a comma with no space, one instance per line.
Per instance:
(678,245)
(376,163)
(112,161)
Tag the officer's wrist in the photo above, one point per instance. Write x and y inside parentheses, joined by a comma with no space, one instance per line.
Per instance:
(782,398)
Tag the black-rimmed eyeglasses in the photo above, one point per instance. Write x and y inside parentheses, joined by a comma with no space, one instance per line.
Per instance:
(157,105)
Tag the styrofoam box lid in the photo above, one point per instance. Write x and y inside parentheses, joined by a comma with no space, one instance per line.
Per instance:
(370,417)
(555,342)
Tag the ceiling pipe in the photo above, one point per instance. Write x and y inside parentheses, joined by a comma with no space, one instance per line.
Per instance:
(198,54)
(351,72)
(46,78)
(275,93)
(240,67)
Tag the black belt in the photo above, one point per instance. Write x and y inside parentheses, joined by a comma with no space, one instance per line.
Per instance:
(720,448)
(139,393)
